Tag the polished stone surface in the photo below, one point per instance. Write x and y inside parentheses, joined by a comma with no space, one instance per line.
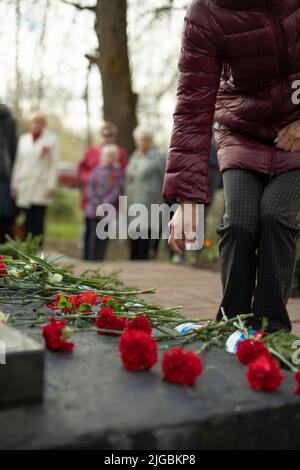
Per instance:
(91,402)
(21,368)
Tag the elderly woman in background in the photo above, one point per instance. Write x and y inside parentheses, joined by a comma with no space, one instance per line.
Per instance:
(89,161)
(35,172)
(104,187)
(144,177)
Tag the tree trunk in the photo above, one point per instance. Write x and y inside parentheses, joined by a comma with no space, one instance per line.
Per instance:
(113,62)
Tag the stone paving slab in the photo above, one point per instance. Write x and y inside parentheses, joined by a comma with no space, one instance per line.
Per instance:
(197,290)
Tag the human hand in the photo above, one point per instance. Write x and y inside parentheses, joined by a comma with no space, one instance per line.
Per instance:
(183,226)
(288,138)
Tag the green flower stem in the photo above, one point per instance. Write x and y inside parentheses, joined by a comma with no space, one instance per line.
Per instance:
(283,360)
(222,324)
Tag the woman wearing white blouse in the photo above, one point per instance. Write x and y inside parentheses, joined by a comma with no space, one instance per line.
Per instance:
(35,172)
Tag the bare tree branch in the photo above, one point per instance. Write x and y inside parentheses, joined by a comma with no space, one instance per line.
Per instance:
(92,59)
(79,6)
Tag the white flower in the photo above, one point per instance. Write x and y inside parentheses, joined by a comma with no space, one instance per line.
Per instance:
(16,272)
(55,278)
(28,267)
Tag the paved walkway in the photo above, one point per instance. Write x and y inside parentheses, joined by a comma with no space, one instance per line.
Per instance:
(198,291)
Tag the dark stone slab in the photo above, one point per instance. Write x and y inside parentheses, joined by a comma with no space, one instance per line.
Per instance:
(21,369)
(91,402)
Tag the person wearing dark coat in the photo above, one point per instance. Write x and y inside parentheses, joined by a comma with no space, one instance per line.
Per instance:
(240,67)
(8,145)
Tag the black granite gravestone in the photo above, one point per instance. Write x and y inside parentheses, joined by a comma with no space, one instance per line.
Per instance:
(91,402)
(21,368)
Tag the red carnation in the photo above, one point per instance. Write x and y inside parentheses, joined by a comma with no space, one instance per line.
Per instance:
(181,367)
(3,271)
(62,303)
(140,323)
(264,374)
(297,377)
(54,304)
(248,351)
(53,334)
(87,298)
(138,350)
(107,320)
(258,335)
(106,299)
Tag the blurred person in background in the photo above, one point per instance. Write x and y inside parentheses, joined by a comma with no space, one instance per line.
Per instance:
(8,144)
(35,173)
(91,158)
(144,177)
(104,187)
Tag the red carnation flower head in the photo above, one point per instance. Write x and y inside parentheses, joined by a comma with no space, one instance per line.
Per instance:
(264,374)
(62,303)
(248,351)
(83,301)
(54,304)
(75,300)
(89,297)
(3,269)
(107,320)
(181,367)
(138,350)
(108,300)
(258,335)
(297,377)
(140,323)
(56,336)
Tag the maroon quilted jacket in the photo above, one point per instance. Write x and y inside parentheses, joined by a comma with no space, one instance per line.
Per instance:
(238,63)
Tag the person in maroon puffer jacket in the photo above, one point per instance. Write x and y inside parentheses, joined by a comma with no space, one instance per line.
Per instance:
(239,66)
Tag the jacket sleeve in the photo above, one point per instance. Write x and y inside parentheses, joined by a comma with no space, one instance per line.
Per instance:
(93,189)
(16,176)
(123,158)
(200,67)
(85,168)
(12,139)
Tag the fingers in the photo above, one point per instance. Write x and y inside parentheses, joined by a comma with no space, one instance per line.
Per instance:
(296,146)
(288,138)
(283,139)
(190,217)
(176,245)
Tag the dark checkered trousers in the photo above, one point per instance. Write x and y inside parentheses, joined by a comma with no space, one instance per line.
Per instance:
(257,244)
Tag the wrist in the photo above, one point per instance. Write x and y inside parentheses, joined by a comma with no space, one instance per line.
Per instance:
(186,201)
